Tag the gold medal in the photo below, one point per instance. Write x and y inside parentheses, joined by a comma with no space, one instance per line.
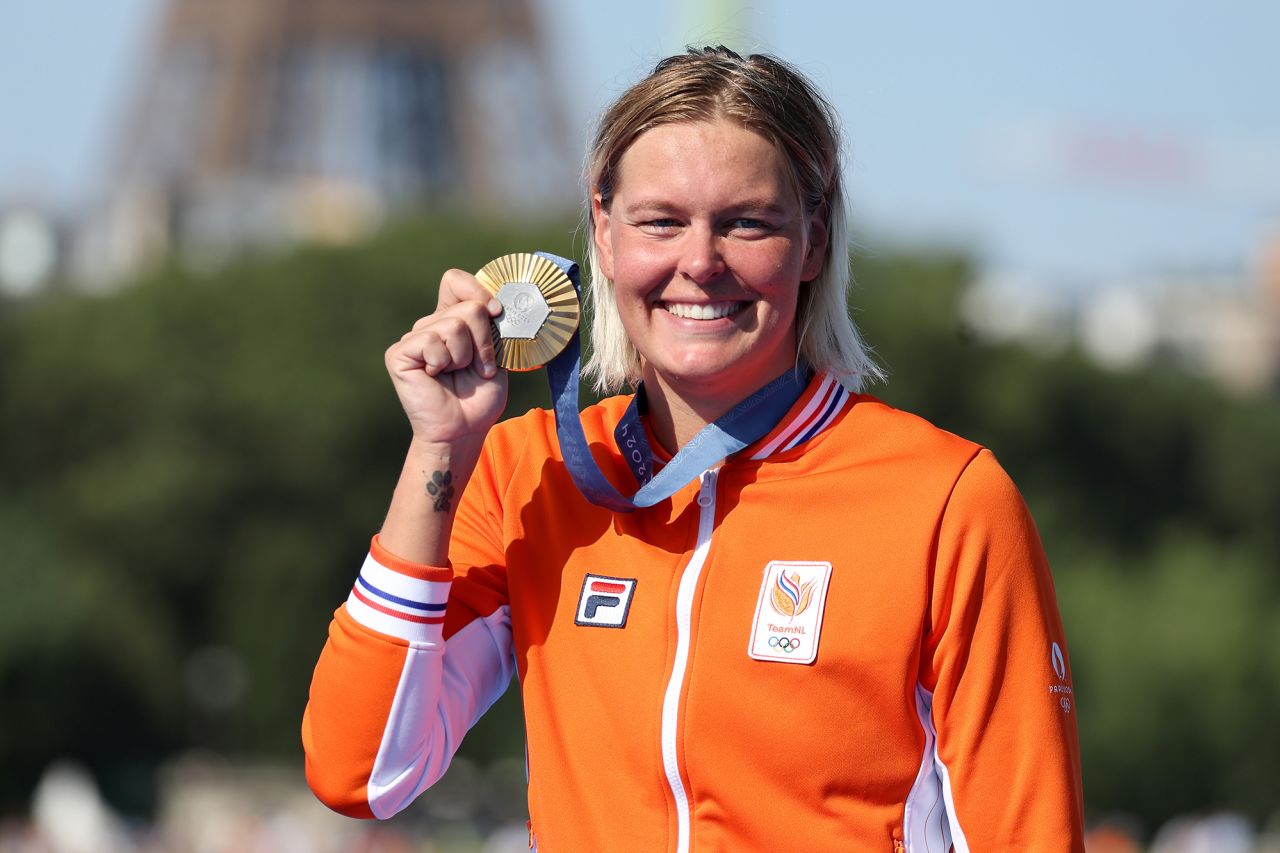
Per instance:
(539,309)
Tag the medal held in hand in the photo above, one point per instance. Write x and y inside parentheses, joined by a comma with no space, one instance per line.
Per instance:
(539,309)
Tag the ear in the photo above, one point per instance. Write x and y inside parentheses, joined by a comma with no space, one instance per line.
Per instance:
(602,235)
(817,250)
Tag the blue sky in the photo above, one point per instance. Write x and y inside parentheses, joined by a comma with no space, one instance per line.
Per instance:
(1073,141)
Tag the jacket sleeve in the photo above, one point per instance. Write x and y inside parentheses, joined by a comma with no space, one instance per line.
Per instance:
(414,657)
(995,686)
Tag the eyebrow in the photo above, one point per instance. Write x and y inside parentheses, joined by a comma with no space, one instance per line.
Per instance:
(650,206)
(749,205)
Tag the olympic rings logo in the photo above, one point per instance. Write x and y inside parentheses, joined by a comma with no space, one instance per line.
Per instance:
(787,644)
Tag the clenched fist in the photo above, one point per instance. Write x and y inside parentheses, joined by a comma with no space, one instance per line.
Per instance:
(445,370)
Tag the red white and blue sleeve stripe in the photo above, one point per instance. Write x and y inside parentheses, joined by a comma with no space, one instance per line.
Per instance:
(399,604)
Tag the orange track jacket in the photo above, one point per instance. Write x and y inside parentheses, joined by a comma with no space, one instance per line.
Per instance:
(843,638)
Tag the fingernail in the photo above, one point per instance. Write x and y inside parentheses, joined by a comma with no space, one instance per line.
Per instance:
(495,307)
(490,370)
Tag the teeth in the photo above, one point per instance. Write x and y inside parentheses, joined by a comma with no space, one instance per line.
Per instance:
(702,312)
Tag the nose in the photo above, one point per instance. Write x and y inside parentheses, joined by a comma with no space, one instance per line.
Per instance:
(701,259)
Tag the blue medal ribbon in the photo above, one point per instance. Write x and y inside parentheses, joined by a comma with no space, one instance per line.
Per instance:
(742,425)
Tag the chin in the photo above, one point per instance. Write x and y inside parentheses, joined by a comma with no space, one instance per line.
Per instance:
(712,374)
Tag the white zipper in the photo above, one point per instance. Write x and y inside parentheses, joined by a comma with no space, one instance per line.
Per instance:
(684,616)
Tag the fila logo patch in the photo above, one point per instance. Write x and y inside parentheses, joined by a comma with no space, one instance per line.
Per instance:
(604,601)
(788,621)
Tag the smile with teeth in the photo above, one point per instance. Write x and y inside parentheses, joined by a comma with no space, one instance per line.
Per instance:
(692,311)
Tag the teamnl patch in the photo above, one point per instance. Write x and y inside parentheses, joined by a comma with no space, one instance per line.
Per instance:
(604,601)
(788,620)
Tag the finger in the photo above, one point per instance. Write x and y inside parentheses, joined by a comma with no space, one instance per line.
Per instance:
(464,318)
(435,355)
(487,310)
(479,321)
(446,345)
(486,355)
(417,352)
(456,336)
(461,286)
(479,325)
(428,348)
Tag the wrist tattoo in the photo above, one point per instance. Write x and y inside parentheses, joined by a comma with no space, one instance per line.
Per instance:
(440,490)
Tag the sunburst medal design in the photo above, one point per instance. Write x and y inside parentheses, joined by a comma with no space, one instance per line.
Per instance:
(539,309)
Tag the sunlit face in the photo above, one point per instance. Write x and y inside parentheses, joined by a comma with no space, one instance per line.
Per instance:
(707,244)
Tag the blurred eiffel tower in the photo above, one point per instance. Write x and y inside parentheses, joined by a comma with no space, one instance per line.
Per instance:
(268,121)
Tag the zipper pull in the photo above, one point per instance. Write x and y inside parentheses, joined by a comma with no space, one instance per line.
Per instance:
(707,494)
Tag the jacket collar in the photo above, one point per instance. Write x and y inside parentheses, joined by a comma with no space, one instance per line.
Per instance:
(819,407)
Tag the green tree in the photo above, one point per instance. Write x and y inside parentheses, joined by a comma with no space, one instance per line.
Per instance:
(195,465)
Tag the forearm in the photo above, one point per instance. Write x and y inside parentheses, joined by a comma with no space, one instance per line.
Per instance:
(391,696)
(420,519)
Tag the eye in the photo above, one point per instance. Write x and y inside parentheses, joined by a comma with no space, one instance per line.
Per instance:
(749,226)
(660,225)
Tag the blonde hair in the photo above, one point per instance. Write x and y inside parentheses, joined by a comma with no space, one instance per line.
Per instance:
(768,96)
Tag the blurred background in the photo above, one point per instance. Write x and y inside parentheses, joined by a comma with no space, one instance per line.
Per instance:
(214,217)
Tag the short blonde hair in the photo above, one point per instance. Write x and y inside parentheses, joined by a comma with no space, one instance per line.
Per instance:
(768,96)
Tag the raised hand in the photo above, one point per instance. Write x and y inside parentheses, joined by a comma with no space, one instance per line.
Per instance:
(444,369)
(445,372)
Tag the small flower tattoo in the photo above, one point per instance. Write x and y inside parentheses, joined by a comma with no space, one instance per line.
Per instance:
(440,488)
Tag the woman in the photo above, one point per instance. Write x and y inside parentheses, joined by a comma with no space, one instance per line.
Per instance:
(843,636)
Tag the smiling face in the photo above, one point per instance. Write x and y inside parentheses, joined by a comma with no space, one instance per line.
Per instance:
(706,243)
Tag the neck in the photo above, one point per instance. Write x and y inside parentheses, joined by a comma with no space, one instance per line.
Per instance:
(676,414)
(674,419)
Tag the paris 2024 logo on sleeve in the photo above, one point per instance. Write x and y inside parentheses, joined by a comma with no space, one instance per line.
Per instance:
(1061,687)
